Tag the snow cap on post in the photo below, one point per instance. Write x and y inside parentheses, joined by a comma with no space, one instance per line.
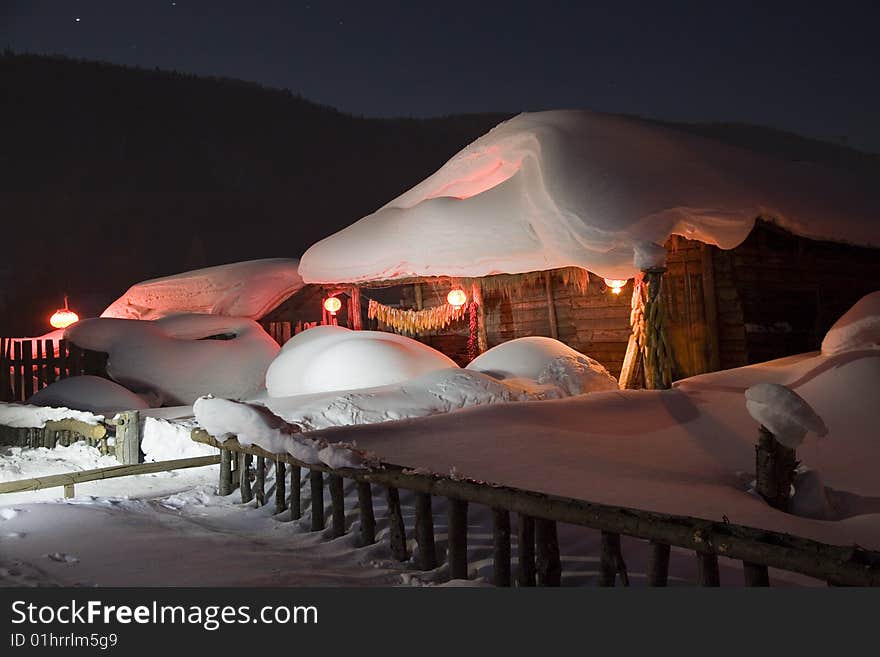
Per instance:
(784,413)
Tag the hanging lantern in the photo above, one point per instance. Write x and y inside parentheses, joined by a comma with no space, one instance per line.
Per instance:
(615,284)
(63,317)
(332,305)
(456,297)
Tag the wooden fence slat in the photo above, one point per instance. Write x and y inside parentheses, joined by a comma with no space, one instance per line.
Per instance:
(658,564)
(260,486)
(755,574)
(18,384)
(40,366)
(295,492)
(316,479)
(427,555)
(707,569)
(27,368)
(547,562)
(63,371)
(337,502)
(396,527)
(526,545)
(501,547)
(456,549)
(280,487)
(244,481)
(50,362)
(225,486)
(611,561)
(367,516)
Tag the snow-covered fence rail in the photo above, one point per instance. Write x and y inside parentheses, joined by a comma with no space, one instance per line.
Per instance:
(538,513)
(70,479)
(27,366)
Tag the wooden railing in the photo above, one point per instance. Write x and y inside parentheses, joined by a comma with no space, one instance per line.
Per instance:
(27,366)
(538,513)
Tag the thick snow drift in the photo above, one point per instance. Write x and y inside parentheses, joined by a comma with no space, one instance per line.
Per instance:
(241,289)
(328,358)
(88,393)
(172,358)
(575,188)
(24,416)
(546,361)
(858,328)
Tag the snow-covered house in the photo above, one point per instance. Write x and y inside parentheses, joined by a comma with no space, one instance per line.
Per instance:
(760,253)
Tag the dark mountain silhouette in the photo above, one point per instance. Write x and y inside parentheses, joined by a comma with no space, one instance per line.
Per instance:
(110,175)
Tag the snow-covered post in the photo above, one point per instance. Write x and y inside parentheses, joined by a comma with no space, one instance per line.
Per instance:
(785,418)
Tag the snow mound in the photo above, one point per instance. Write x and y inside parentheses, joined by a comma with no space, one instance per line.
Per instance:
(241,289)
(256,425)
(23,416)
(88,393)
(546,361)
(858,328)
(784,413)
(576,188)
(164,440)
(332,358)
(174,358)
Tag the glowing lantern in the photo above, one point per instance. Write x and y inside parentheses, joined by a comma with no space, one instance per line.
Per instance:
(332,305)
(615,284)
(456,297)
(63,317)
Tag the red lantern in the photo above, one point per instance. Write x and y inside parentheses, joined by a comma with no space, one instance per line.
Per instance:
(332,305)
(456,297)
(63,317)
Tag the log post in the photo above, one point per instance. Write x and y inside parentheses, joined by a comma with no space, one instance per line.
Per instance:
(548,564)
(295,492)
(224,488)
(316,479)
(501,547)
(456,549)
(280,487)
(244,484)
(658,565)
(427,558)
(611,561)
(128,439)
(260,488)
(69,491)
(775,466)
(396,528)
(707,569)
(355,308)
(368,518)
(337,500)
(526,545)
(754,574)
(482,336)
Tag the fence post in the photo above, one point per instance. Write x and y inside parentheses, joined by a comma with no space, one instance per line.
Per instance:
(457,541)
(225,486)
(501,547)
(337,504)
(368,517)
(280,487)
(396,528)
(316,478)
(526,541)
(425,532)
(128,438)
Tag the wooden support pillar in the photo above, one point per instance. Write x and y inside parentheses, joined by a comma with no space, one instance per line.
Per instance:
(316,479)
(427,556)
(225,486)
(355,308)
(548,564)
(456,550)
(710,306)
(295,492)
(396,528)
(551,305)
(368,519)
(707,569)
(337,501)
(280,486)
(611,561)
(244,484)
(658,565)
(260,487)
(755,574)
(501,547)
(417,296)
(482,336)
(526,545)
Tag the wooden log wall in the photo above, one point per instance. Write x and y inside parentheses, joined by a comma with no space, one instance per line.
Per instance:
(27,366)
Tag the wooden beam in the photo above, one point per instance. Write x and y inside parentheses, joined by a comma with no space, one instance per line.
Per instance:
(93,431)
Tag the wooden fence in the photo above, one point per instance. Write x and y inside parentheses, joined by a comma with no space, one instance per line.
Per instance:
(281,332)
(27,366)
(538,513)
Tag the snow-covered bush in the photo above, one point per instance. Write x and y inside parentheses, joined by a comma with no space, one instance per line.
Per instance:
(858,328)
(88,393)
(175,358)
(331,358)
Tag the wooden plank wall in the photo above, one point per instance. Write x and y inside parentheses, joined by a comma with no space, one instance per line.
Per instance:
(27,366)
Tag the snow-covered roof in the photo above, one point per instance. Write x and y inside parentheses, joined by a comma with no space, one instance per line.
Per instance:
(241,289)
(575,188)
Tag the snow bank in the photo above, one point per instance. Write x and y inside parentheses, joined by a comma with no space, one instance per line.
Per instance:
(22,416)
(163,440)
(172,358)
(784,413)
(18,463)
(546,361)
(88,393)
(858,328)
(242,289)
(256,425)
(328,358)
(575,188)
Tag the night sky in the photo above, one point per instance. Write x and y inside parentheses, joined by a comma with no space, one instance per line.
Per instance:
(804,68)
